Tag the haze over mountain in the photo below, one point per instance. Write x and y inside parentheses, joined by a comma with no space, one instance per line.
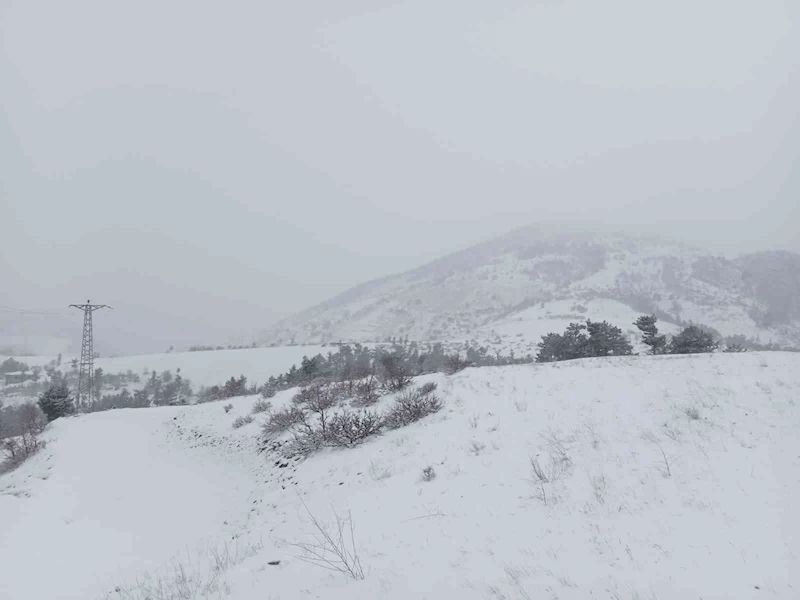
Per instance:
(208,171)
(530,281)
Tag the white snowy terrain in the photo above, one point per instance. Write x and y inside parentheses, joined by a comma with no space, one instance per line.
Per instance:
(205,368)
(670,478)
(535,281)
(202,368)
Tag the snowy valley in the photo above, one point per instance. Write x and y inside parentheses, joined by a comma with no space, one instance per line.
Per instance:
(666,477)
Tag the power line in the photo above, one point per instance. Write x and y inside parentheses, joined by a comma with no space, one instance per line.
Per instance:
(86,375)
(11,309)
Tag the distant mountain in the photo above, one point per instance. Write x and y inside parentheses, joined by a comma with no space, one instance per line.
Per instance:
(509,291)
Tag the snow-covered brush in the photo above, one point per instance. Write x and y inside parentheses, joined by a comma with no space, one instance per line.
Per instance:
(199,577)
(332,548)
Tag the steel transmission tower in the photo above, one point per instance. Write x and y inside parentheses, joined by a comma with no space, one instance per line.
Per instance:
(86,375)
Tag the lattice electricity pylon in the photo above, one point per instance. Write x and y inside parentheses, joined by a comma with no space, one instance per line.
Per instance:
(86,375)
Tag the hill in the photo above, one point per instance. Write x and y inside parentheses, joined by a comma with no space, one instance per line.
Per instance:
(668,478)
(534,281)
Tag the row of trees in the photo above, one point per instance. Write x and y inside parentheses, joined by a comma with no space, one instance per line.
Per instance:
(394,366)
(692,339)
(593,339)
(584,340)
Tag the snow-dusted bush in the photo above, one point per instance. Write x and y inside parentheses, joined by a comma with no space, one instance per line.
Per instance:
(428,388)
(261,406)
(201,577)
(428,474)
(282,420)
(454,364)
(19,448)
(351,428)
(366,392)
(242,421)
(317,398)
(413,405)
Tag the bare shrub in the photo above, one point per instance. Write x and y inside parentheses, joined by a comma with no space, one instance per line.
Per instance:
(228,408)
(454,364)
(411,406)
(428,473)
(32,418)
(366,392)
(351,428)
(268,390)
(693,413)
(428,388)
(665,466)
(592,432)
(393,372)
(283,420)
(379,473)
(552,472)
(556,444)
(304,442)
(476,447)
(200,577)
(242,421)
(261,406)
(316,397)
(473,421)
(673,433)
(18,448)
(541,478)
(332,548)
(599,485)
(520,405)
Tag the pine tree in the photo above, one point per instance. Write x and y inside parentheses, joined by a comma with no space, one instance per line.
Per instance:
(56,402)
(693,340)
(656,343)
(606,340)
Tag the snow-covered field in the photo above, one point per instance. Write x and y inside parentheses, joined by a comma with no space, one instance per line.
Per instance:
(201,368)
(647,498)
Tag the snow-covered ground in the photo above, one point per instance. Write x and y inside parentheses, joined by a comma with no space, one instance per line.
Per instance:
(648,502)
(201,368)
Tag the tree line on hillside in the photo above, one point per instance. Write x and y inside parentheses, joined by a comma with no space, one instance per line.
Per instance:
(597,339)
(393,365)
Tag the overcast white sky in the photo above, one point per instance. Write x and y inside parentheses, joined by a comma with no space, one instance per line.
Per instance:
(208,167)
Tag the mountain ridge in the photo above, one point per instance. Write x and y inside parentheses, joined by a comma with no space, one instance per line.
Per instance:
(462,295)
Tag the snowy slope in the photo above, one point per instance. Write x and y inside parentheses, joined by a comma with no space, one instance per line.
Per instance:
(652,504)
(469,294)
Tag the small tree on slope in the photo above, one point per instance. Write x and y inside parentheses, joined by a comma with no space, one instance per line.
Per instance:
(56,402)
(606,340)
(693,340)
(647,325)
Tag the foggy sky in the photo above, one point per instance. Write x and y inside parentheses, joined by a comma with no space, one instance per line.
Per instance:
(208,167)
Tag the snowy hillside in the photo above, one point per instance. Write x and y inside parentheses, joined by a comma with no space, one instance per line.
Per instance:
(480,293)
(668,478)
